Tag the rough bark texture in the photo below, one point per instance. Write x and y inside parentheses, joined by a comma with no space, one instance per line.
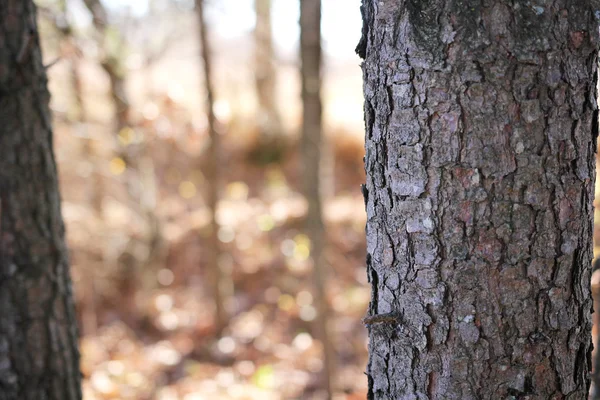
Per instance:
(481,123)
(212,197)
(311,145)
(38,332)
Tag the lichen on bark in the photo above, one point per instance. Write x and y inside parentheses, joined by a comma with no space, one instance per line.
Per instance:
(480,127)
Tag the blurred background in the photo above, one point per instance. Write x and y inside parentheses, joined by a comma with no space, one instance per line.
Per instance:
(140,175)
(196,275)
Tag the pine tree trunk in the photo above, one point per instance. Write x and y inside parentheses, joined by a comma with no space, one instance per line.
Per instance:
(481,122)
(39,358)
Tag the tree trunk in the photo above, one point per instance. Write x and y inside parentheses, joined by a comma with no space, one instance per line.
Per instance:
(212,176)
(113,63)
(480,129)
(118,95)
(39,358)
(265,72)
(311,144)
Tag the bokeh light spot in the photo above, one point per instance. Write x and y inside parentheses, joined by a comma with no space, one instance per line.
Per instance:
(226,345)
(126,136)
(286,302)
(187,189)
(266,223)
(303,341)
(226,234)
(308,313)
(237,191)
(117,166)
(165,277)
(304,298)
(264,377)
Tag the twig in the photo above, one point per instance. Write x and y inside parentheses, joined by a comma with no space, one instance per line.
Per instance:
(52,63)
(388,319)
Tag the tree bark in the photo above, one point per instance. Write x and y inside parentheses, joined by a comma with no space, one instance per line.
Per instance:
(311,146)
(39,358)
(481,121)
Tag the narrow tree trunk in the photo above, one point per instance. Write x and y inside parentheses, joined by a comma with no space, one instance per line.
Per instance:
(112,63)
(39,358)
(311,142)
(77,84)
(265,72)
(481,122)
(212,175)
(118,94)
(89,317)
(140,180)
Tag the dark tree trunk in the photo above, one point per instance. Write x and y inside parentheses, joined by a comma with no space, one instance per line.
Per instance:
(311,144)
(481,122)
(38,332)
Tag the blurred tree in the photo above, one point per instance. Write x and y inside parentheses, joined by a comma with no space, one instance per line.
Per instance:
(39,358)
(212,176)
(265,72)
(57,13)
(481,123)
(311,144)
(132,149)
(270,144)
(113,47)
